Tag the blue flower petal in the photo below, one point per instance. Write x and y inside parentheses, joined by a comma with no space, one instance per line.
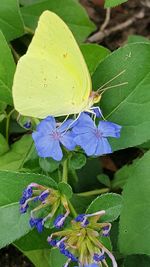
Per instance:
(65,126)
(88,142)
(84,124)
(47,125)
(103,147)
(56,151)
(47,147)
(68,141)
(97,111)
(43,144)
(109,129)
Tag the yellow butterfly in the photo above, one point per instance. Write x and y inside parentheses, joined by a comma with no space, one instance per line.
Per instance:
(52,77)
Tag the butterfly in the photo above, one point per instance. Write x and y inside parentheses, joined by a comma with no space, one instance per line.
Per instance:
(52,78)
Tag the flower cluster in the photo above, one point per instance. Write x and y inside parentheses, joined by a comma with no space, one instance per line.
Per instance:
(81,243)
(39,198)
(49,136)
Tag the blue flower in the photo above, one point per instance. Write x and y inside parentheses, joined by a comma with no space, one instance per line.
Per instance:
(48,138)
(97,111)
(92,138)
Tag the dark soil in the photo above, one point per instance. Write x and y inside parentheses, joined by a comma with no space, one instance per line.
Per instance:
(120,14)
(10,256)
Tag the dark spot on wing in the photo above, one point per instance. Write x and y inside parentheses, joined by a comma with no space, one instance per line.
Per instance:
(45,82)
(65,55)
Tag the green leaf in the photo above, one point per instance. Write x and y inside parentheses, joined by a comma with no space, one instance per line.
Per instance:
(3,145)
(11,22)
(134,237)
(35,247)
(56,258)
(137,261)
(39,258)
(145,145)
(88,175)
(33,240)
(65,189)
(133,98)
(80,203)
(122,175)
(93,55)
(2,108)
(104,179)
(77,161)
(7,69)
(111,203)
(137,39)
(29,2)
(113,3)
(71,12)
(13,183)
(48,164)
(13,225)
(14,159)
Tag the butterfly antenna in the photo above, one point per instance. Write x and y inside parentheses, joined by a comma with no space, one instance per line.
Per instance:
(112,86)
(103,88)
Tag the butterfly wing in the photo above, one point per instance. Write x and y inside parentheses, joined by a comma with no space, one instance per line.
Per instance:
(52,77)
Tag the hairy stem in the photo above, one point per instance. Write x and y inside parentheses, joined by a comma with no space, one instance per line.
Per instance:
(72,209)
(93,192)
(7,124)
(65,171)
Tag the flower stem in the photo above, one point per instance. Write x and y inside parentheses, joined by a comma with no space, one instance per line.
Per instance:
(7,124)
(74,176)
(93,192)
(72,209)
(65,171)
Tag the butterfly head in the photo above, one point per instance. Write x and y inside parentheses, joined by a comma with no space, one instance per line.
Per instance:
(94,98)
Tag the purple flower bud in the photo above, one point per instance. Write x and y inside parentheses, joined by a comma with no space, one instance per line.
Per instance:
(38,223)
(23,209)
(22,200)
(52,242)
(99,257)
(27,125)
(32,222)
(59,221)
(44,195)
(106,230)
(68,254)
(27,193)
(82,218)
(62,245)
